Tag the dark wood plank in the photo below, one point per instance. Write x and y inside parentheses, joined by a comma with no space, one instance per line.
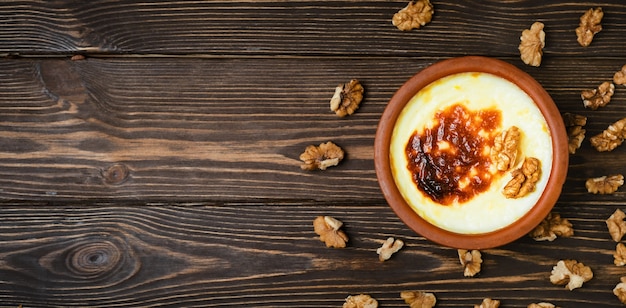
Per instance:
(253,28)
(246,255)
(220,130)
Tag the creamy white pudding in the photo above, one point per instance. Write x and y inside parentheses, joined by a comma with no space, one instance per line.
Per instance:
(440,147)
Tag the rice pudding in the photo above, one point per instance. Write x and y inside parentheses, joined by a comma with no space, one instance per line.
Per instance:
(440,152)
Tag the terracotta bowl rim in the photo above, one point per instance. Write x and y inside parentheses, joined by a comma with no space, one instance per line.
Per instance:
(542,99)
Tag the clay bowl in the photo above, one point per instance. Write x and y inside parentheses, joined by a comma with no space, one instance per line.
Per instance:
(546,197)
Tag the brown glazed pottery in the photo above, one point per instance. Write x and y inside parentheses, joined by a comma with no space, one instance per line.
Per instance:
(546,105)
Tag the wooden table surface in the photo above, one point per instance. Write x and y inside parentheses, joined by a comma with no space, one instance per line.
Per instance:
(163,169)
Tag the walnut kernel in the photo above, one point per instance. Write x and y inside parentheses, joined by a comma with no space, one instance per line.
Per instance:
(360,301)
(390,246)
(419,299)
(610,138)
(620,290)
(328,229)
(532,42)
(488,303)
(616,225)
(471,261)
(599,97)
(542,305)
(552,227)
(321,157)
(524,179)
(620,77)
(347,98)
(570,273)
(589,25)
(604,184)
(416,14)
(505,148)
(619,256)
(575,131)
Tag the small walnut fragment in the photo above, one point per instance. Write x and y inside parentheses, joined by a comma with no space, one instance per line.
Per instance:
(600,97)
(321,157)
(551,227)
(360,301)
(77,57)
(328,228)
(541,305)
(620,77)
(415,15)
(524,179)
(532,42)
(619,256)
(604,184)
(620,290)
(390,246)
(471,261)
(610,138)
(419,299)
(347,98)
(589,26)
(616,225)
(574,124)
(488,303)
(570,273)
(505,148)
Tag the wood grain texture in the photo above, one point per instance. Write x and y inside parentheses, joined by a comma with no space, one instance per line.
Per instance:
(247,255)
(219,130)
(298,28)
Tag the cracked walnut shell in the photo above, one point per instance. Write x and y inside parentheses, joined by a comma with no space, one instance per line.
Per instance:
(471,261)
(505,148)
(360,301)
(488,303)
(570,273)
(620,77)
(604,184)
(589,26)
(390,246)
(616,225)
(415,15)
(524,179)
(321,157)
(532,42)
(551,227)
(599,97)
(328,229)
(620,290)
(419,299)
(610,138)
(347,98)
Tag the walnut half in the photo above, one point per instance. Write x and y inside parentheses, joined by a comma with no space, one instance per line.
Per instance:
(589,25)
(551,227)
(488,303)
(321,157)
(600,97)
(390,246)
(347,98)
(620,76)
(360,301)
(524,179)
(541,305)
(471,261)
(610,138)
(575,131)
(419,299)
(415,15)
(604,184)
(619,256)
(570,273)
(616,225)
(532,42)
(328,229)
(620,290)
(505,148)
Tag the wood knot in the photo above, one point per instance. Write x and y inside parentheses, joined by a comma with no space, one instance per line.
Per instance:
(116,174)
(93,260)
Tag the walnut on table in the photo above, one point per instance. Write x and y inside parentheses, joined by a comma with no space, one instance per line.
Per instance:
(505,148)
(321,157)
(488,303)
(619,256)
(328,228)
(589,26)
(415,15)
(604,184)
(616,225)
(620,290)
(570,273)
(524,179)
(620,76)
(532,42)
(360,301)
(575,131)
(610,138)
(551,227)
(390,246)
(600,97)
(471,261)
(541,305)
(419,299)
(347,98)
